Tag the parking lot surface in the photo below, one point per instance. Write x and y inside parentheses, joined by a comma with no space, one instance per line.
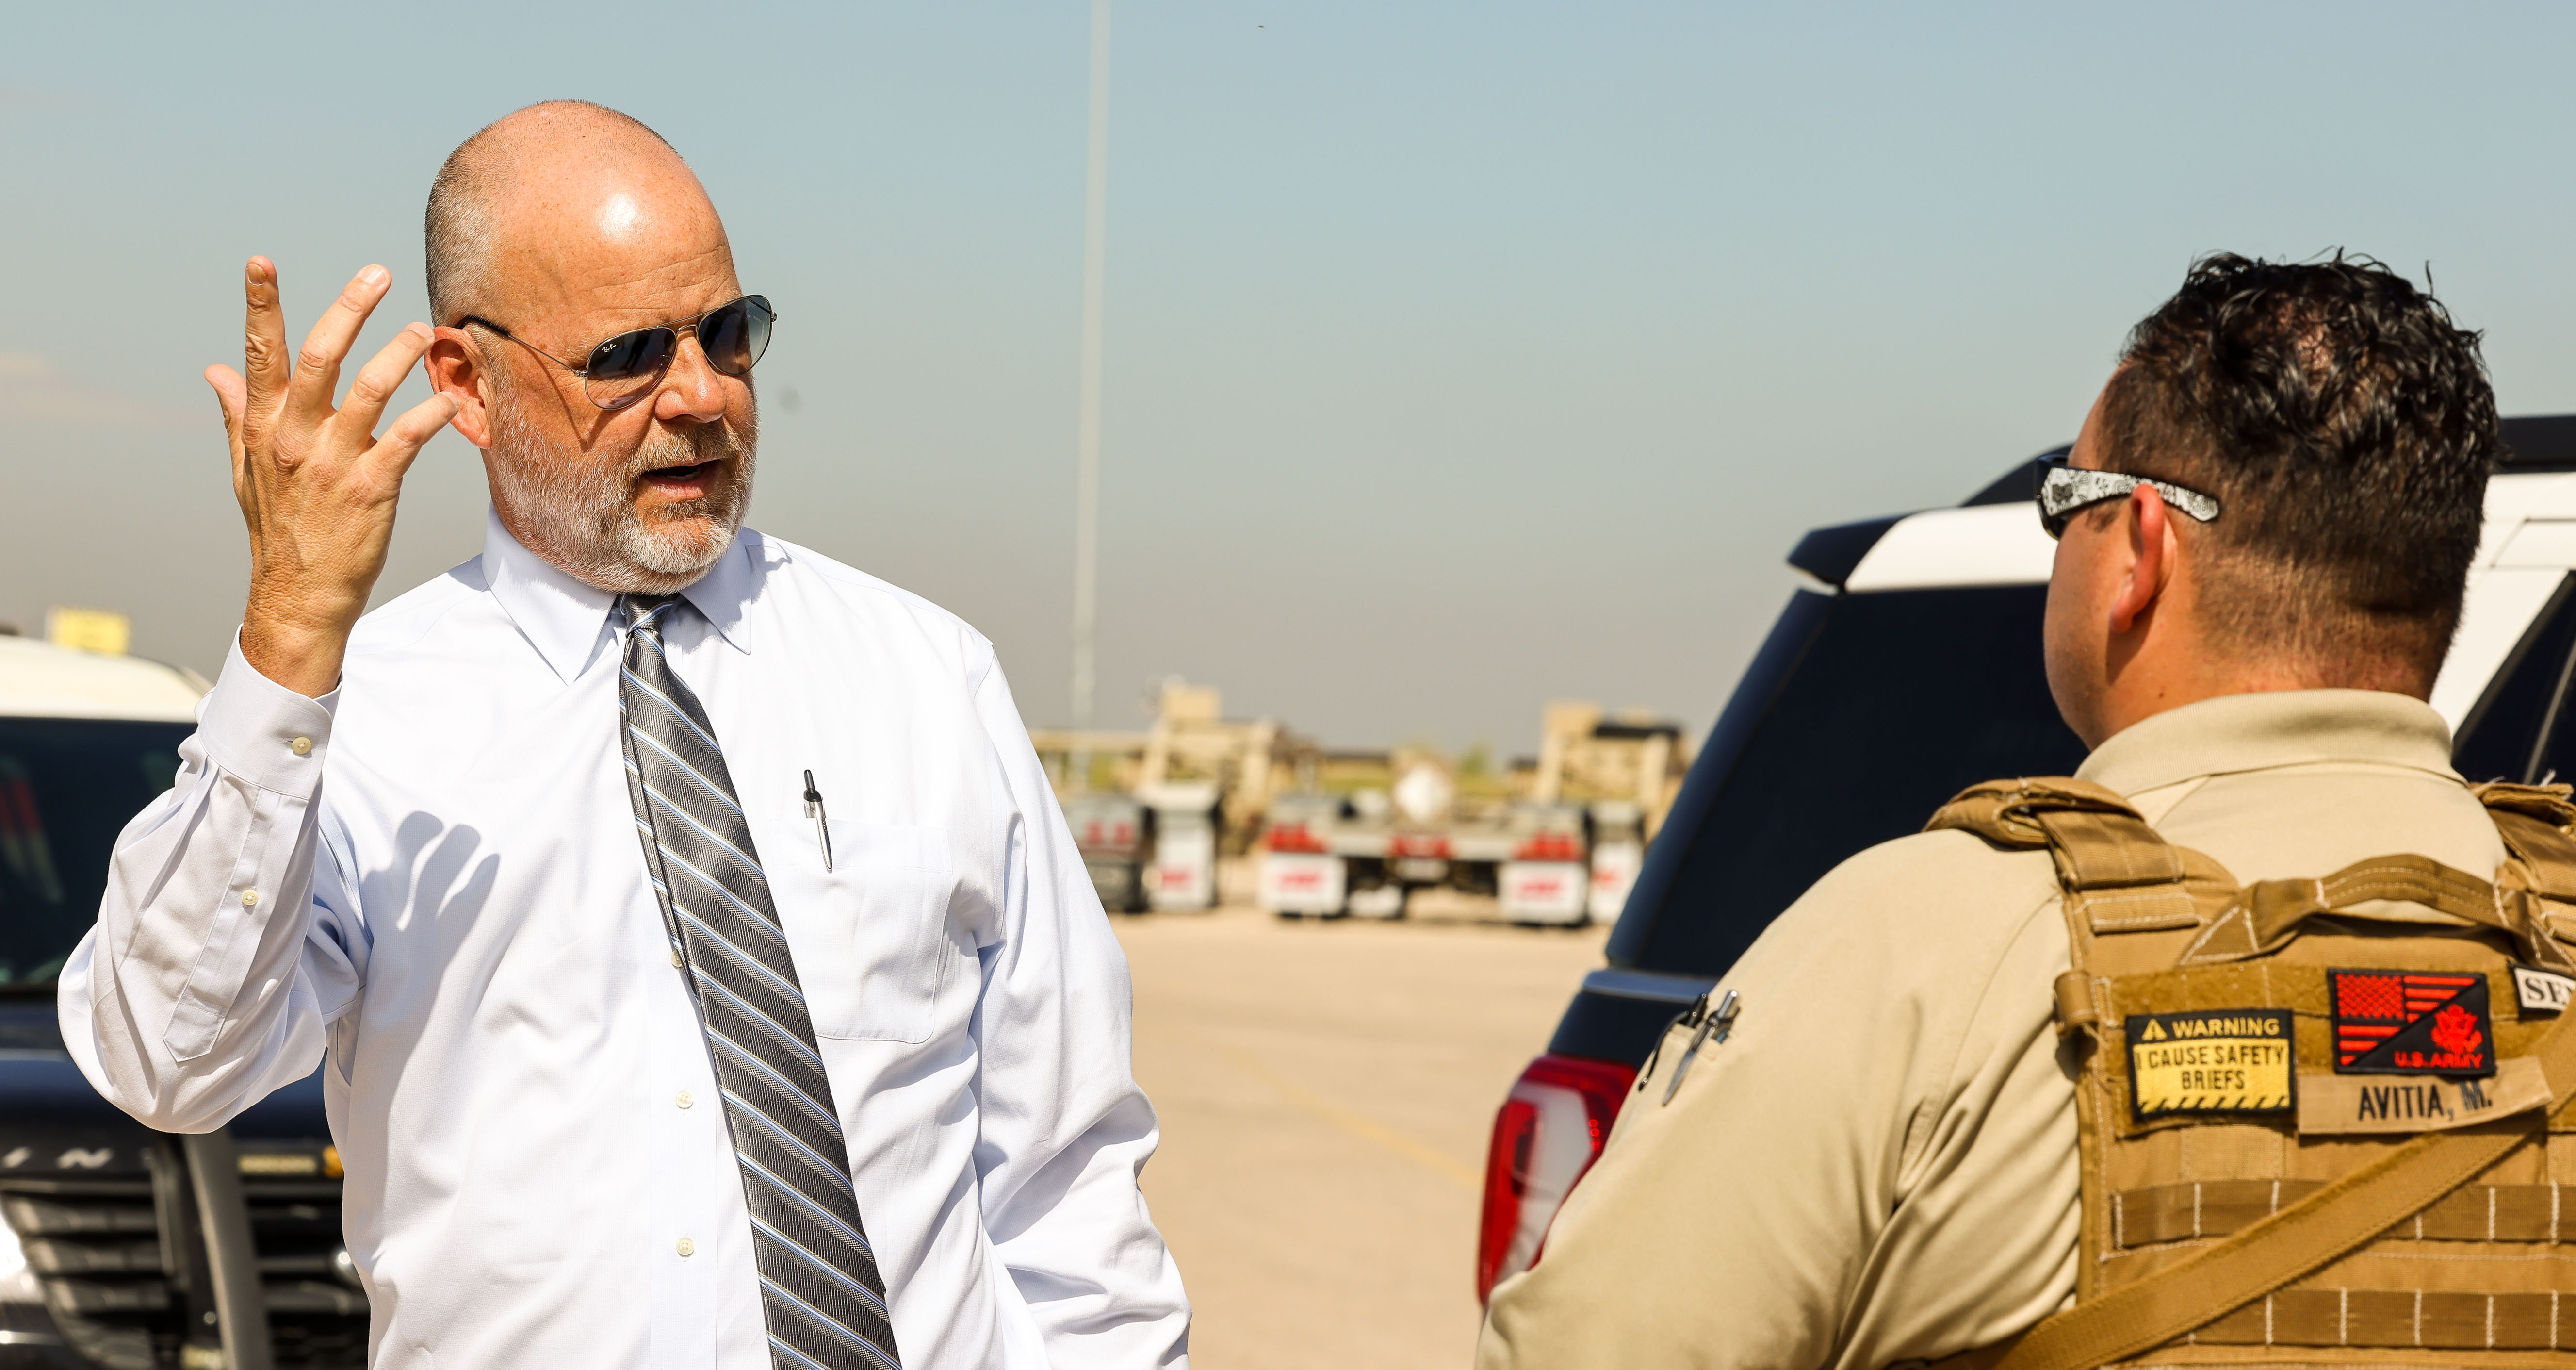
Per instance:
(1325,1091)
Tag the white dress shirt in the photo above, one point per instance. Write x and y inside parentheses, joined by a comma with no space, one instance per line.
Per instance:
(431,881)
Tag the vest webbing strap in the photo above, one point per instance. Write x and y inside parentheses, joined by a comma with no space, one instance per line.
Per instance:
(2097,838)
(2268,913)
(2307,1235)
(2533,820)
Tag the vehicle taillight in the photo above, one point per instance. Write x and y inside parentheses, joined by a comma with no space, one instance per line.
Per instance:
(1548,1133)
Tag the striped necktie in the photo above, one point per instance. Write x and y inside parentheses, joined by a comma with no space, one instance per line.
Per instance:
(819,1288)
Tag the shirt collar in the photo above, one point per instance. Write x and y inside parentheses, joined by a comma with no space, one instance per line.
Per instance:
(567,620)
(2251,732)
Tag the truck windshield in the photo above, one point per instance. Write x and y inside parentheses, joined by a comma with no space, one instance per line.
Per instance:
(67,788)
(1861,715)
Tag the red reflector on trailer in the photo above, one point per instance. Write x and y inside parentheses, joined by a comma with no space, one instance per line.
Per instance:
(1294,837)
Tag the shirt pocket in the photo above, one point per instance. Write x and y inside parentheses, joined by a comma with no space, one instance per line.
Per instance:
(869,936)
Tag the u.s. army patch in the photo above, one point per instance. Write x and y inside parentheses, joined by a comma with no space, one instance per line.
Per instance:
(2216,1061)
(2412,1022)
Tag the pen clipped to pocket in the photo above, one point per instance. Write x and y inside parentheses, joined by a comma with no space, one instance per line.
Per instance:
(822,829)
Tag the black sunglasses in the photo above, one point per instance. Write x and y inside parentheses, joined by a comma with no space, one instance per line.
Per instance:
(626,368)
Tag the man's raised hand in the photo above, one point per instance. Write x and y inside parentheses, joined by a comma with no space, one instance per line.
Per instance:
(317,485)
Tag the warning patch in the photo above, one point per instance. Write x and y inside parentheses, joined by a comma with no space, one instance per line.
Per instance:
(2217,1061)
(2406,1022)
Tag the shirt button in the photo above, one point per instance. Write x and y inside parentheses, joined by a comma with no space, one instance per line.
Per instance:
(302,746)
(687,1247)
(675,957)
(250,898)
(684,1100)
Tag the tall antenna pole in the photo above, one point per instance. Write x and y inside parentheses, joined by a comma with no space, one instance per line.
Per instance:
(1086,497)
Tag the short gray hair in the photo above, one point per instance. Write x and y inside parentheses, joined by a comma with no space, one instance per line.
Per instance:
(458,227)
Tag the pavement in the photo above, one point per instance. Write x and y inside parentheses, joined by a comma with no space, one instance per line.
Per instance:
(1326,1090)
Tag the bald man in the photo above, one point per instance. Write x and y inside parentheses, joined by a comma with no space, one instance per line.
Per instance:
(699,968)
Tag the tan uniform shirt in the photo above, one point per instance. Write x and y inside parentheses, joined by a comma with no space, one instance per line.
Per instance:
(1879,1165)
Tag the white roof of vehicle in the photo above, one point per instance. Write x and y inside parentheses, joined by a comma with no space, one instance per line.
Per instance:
(2528,549)
(1988,544)
(40,680)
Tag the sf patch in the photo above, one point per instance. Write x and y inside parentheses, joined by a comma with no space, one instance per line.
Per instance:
(2220,1061)
(2541,991)
(2408,1022)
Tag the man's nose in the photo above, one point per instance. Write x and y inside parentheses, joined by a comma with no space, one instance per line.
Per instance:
(692,388)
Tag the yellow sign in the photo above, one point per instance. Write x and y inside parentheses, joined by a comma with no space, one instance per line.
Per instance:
(103,631)
(2226,1061)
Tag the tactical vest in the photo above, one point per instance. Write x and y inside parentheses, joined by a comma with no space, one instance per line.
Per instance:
(2315,1128)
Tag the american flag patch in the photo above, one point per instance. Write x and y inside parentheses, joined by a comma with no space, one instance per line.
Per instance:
(2409,1022)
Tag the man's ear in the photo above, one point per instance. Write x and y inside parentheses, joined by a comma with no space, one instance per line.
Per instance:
(457,368)
(2153,552)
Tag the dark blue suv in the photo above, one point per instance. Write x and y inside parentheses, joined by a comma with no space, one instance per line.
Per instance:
(122,1247)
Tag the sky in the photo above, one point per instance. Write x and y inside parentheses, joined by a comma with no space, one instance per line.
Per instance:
(1459,357)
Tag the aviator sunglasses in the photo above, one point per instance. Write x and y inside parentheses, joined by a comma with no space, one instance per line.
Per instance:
(626,368)
(2065,489)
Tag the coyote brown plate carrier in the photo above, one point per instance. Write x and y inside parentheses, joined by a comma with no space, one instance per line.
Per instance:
(2244,1201)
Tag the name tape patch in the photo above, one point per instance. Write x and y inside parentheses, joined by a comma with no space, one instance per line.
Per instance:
(2421,1103)
(2217,1061)
(2409,1022)
(2541,991)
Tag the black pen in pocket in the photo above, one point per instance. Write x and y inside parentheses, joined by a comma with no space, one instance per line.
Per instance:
(822,830)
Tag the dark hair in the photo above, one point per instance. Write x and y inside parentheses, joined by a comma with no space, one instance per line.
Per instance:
(2345,425)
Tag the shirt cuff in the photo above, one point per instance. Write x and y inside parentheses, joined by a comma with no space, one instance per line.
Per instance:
(262,731)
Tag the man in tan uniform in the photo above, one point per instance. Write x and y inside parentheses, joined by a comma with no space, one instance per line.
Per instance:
(1879,1165)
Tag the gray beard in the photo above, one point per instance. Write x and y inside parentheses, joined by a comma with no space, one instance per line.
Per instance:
(579,513)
